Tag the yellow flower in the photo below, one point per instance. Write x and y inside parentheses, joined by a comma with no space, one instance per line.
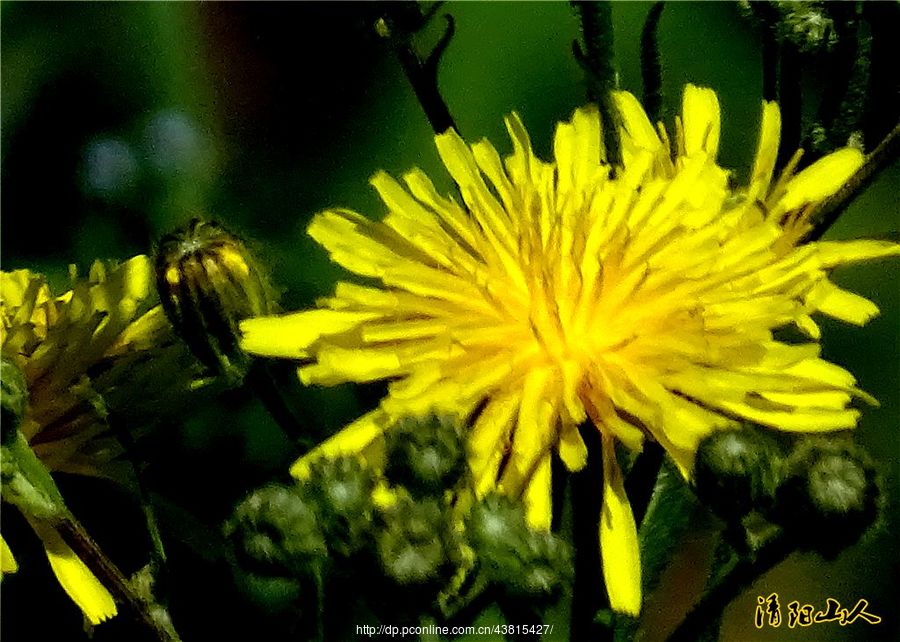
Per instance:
(643,300)
(103,350)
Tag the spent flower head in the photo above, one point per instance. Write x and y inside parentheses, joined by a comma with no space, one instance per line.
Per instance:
(644,299)
(100,353)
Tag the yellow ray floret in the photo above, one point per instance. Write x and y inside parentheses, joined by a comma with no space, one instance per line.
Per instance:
(74,577)
(7,561)
(644,299)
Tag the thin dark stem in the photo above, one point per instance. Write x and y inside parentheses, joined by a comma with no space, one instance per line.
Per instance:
(424,83)
(320,604)
(400,23)
(735,578)
(264,384)
(596,58)
(840,64)
(74,534)
(641,479)
(768,16)
(883,93)
(832,208)
(790,100)
(651,69)
(130,447)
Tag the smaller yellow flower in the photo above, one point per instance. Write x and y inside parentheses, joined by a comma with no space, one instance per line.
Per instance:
(101,352)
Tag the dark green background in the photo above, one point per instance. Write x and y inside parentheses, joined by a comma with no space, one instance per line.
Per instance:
(293,107)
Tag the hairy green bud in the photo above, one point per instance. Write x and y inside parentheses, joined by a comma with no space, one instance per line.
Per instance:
(412,547)
(342,492)
(526,563)
(426,455)
(276,529)
(830,495)
(736,471)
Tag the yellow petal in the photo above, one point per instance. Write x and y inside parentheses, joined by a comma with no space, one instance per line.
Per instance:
(489,438)
(766,151)
(538,507)
(534,432)
(829,299)
(7,561)
(75,578)
(577,148)
(618,538)
(796,420)
(701,121)
(350,440)
(289,335)
(834,253)
(821,179)
(572,450)
(338,365)
(634,119)
(522,166)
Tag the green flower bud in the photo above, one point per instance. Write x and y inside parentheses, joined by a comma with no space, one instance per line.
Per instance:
(736,471)
(342,491)
(208,282)
(496,526)
(275,529)
(412,547)
(528,564)
(13,399)
(546,567)
(426,455)
(830,495)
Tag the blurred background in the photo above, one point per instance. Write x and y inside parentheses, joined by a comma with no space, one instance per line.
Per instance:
(121,121)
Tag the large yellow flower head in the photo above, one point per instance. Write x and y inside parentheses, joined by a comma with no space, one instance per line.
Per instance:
(643,299)
(101,350)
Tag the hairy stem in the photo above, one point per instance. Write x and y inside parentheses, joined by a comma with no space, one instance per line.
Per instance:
(651,69)
(596,58)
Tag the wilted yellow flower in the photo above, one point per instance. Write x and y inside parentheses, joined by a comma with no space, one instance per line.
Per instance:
(644,300)
(102,351)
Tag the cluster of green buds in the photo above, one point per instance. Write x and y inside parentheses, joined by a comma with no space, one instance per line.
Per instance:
(823,493)
(289,539)
(209,281)
(413,524)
